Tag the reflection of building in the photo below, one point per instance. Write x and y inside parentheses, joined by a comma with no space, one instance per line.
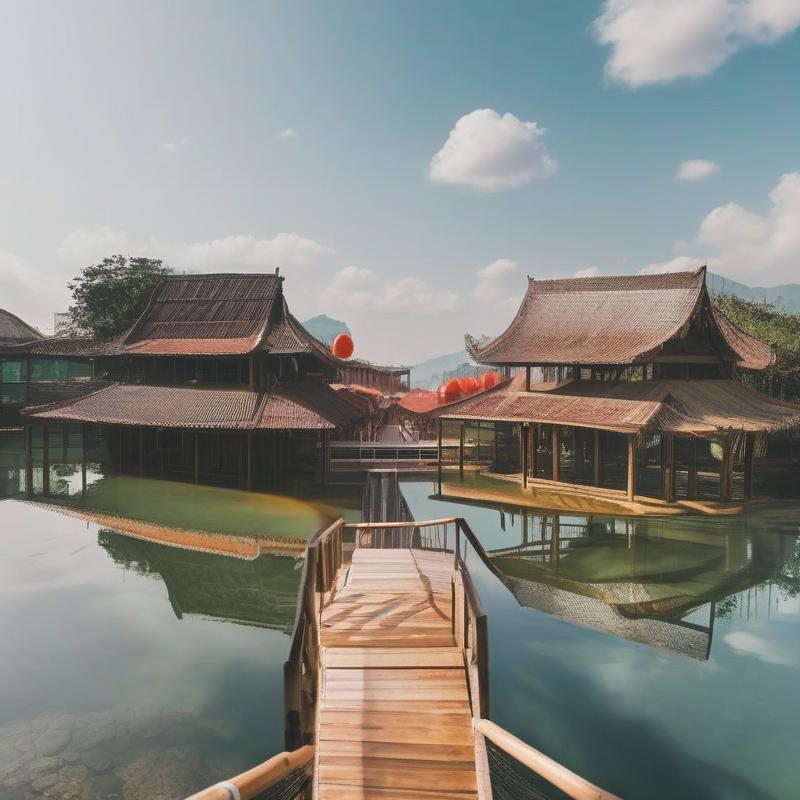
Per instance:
(260,592)
(216,382)
(636,578)
(627,384)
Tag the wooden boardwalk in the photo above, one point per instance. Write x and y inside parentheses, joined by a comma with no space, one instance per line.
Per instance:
(394,716)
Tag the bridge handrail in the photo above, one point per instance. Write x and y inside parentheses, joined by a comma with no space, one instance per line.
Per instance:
(554,773)
(253,782)
(403,524)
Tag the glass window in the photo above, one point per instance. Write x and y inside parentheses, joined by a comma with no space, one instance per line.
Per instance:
(11,371)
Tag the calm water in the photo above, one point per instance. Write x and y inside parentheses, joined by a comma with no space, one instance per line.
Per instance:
(659,657)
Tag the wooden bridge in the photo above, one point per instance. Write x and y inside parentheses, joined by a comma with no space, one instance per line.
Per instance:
(387,683)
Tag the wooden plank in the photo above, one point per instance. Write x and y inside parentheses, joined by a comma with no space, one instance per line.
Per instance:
(329,791)
(419,751)
(394,657)
(397,775)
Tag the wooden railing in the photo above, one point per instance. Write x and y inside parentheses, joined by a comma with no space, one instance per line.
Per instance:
(259,780)
(556,774)
(324,556)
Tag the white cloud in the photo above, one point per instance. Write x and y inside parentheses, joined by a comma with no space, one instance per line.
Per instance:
(750,644)
(358,289)
(655,41)
(238,252)
(499,283)
(171,145)
(88,245)
(589,272)
(286,133)
(30,294)
(751,246)
(677,264)
(490,152)
(695,170)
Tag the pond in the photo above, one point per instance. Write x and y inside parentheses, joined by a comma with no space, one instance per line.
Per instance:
(659,657)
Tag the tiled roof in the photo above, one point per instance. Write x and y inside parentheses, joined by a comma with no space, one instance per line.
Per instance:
(75,347)
(700,407)
(419,401)
(13,329)
(224,313)
(753,353)
(303,406)
(610,320)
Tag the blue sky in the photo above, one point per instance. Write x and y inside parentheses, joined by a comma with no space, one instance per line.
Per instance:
(244,136)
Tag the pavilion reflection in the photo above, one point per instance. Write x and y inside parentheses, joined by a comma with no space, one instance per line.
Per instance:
(654,581)
(260,592)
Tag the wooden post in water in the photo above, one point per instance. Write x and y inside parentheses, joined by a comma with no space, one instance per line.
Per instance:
(596,459)
(631,466)
(29,460)
(84,448)
(45,461)
(439,453)
(556,453)
(749,447)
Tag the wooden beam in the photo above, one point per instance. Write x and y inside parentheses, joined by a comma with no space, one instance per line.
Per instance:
(527,379)
(668,468)
(534,449)
(525,435)
(631,466)
(556,453)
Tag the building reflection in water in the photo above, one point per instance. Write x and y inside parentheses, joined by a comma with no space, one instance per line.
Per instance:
(659,581)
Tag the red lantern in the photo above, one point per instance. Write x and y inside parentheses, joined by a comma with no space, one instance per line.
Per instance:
(467,384)
(342,346)
(496,378)
(485,381)
(452,390)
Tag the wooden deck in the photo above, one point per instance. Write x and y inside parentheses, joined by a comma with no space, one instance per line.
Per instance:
(394,715)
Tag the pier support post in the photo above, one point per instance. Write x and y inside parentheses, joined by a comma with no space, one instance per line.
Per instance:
(726,470)
(29,461)
(631,466)
(525,435)
(45,461)
(556,453)
(439,454)
(461,452)
(668,468)
(84,448)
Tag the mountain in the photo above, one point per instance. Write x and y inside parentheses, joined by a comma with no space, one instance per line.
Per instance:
(429,374)
(325,328)
(786,296)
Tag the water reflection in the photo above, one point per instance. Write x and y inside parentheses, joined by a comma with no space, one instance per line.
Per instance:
(656,581)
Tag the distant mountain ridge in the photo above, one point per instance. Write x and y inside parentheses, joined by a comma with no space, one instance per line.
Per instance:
(325,328)
(785,296)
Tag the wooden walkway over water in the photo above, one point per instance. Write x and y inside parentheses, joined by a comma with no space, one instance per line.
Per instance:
(387,684)
(395,718)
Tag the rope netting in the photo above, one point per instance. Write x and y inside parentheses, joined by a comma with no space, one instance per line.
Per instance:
(514,781)
(294,786)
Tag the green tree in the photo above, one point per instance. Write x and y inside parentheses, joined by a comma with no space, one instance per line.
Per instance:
(776,327)
(108,297)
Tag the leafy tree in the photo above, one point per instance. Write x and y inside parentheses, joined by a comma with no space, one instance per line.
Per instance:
(778,328)
(108,297)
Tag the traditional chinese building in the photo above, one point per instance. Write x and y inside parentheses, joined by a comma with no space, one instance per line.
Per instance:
(627,384)
(215,382)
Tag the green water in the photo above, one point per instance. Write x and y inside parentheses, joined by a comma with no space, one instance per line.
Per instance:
(658,657)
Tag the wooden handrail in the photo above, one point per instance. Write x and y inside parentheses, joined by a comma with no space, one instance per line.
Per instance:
(426,523)
(557,774)
(260,778)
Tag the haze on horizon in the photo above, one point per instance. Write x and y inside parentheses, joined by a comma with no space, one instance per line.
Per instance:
(405,165)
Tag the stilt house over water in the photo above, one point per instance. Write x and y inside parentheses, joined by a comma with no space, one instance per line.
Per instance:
(215,382)
(627,383)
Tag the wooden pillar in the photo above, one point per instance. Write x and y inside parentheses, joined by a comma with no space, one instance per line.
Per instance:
(525,435)
(668,467)
(534,449)
(691,489)
(527,379)
(555,534)
(29,460)
(749,447)
(596,459)
(141,452)
(439,455)
(556,452)
(726,470)
(197,457)
(461,452)
(250,462)
(84,448)
(45,461)
(631,466)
